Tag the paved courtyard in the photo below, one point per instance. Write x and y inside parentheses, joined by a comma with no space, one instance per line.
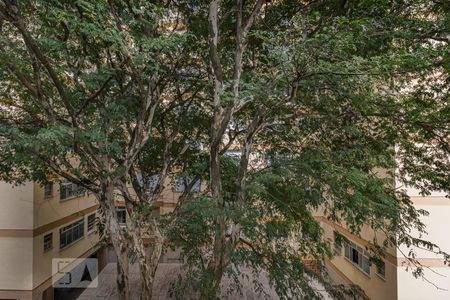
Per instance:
(167,273)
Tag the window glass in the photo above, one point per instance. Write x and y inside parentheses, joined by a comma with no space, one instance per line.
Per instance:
(181,183)
(48,242)
(48,190)
(121,216)
(355,256)
(235,155)
(381,269)
(365,264)
(69,190)
(337,244)
(71,233)
(91,222)
(358,257)
(153,182)
(347,250)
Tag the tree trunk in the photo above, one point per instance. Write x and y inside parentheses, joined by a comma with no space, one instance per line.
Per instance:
(118,240)
(122,279)
(148,258)
(211,289)
(148,265)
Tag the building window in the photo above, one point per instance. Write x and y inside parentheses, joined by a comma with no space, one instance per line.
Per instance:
(91,223)
(48,242)
(153,182)
(182,182)
(381,269)
(48,190)
(337,244)
(69,190)
(71,233)
(121,216)
(358,257)
(235,155)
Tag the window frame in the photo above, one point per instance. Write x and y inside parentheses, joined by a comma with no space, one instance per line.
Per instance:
(91,226)
(153,182)
(46,194)
(76,228)
(75,190)
(181,182)
(362,262)
(121,210)
(234,154)
(48,248)
(378,268)
(337,246)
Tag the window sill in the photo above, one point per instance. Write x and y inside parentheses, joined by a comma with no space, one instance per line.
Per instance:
(68,245)
(70,198)
(357,267)
(381,277)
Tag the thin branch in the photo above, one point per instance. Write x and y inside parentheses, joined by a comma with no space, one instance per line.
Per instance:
(32,46)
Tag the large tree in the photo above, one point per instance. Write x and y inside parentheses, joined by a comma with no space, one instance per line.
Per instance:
(316,97)
(82,83)
(281,107)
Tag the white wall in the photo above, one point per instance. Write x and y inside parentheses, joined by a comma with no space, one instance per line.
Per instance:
(438,274)
(437,228)
(410,288)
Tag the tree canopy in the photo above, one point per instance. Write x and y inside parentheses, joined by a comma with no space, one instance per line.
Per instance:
(281,108)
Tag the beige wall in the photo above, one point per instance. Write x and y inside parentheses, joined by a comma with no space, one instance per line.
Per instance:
(16,242)
(26,216)
(42,261)
(168,199)
(47,210)
(17,206)
(374,286)
(371,236)
(47,213)
(16,263)
(400,282)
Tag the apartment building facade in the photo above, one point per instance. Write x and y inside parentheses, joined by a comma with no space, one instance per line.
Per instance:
(39,223)
(393,278)
(166,202)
